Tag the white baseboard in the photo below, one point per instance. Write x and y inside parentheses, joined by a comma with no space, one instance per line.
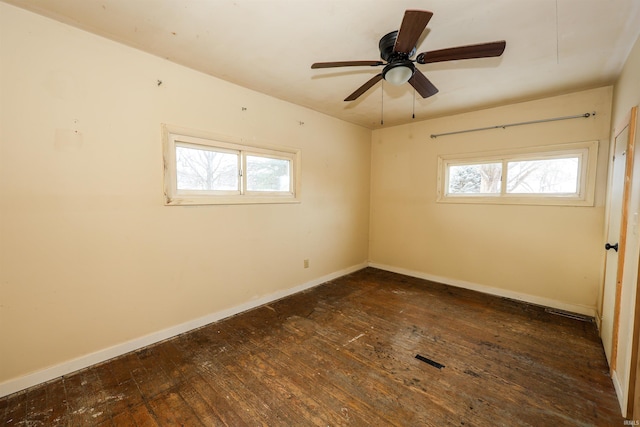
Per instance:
(53,372)
(546,302)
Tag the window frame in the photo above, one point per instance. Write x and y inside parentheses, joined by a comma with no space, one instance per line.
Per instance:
(584,196)
(173,137)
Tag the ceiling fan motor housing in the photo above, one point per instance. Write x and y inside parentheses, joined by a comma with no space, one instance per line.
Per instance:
(386,45)
(399,68)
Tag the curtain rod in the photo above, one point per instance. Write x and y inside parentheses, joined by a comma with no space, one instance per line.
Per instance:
(555,119)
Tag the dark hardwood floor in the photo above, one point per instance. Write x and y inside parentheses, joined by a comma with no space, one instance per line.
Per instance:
(344,353)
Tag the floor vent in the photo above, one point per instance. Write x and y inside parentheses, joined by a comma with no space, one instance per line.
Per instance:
(429,361)
(569,314)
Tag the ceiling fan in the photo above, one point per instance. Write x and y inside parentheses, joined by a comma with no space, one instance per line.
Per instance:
(397,48)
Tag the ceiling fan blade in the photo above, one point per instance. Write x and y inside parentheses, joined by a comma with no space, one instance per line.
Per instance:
(422,84)
(413,24)
(346,64)
(365,87)
(482,50)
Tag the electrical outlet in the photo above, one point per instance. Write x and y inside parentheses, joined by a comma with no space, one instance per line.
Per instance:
(306,263)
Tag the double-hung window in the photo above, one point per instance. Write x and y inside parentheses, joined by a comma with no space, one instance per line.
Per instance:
(202,169)
(551,175)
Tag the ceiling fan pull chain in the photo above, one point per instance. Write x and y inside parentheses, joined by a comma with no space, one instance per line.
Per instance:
(413,115)
(382,104)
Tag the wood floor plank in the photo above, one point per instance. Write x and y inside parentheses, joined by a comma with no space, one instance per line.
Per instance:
(124,419)
(123,366)
(142,417)
(57,403)
(341,404)
(118,396)
(151,378)
(254,409)
(107,422)
(217,402)
(79,404)
(318,388)
(205,413)
(170,409)
(16,409)
(284,393)
(285,407)
(37,409)
(175,363)
(304,380)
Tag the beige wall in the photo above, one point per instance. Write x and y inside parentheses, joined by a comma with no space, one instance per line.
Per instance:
(626,95)
(89,255)
(544,254)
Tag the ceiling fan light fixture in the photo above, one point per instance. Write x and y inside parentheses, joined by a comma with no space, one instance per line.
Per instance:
(398,73)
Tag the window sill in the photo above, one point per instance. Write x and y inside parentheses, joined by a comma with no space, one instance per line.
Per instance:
(239,200)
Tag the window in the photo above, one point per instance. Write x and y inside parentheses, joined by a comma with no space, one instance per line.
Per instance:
(555,175)
(203,169)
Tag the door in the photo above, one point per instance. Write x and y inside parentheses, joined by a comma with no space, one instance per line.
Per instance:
(620,319)
(615,251)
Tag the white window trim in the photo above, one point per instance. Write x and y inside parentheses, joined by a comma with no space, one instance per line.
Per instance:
(172,136)
(587,151)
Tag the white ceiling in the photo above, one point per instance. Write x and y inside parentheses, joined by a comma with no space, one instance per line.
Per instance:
(553,46)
